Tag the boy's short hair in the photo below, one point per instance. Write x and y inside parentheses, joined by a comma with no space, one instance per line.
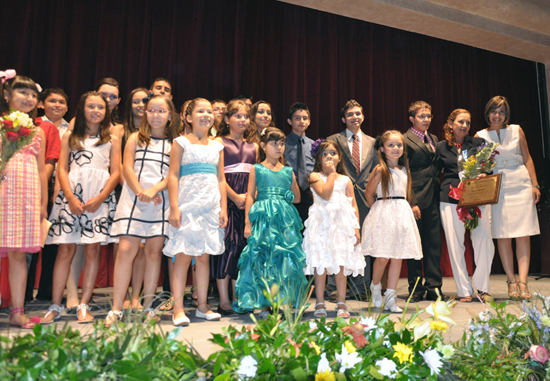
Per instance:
(297,107)
(55,90)
(350,104)
(243,97)
(158,80)
(415,106)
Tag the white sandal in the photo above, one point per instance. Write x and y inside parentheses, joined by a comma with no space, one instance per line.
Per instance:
(53,308)
(341,312)
(85,308)
(391,302)
(113,316)
(151,316)
(321,312)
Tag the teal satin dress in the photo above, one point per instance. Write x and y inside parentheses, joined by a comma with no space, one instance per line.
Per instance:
(274,250)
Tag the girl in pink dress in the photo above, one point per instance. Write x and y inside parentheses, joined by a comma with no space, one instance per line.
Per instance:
(23,194)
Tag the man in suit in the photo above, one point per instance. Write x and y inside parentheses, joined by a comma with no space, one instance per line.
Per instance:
(359,158)
(425,166)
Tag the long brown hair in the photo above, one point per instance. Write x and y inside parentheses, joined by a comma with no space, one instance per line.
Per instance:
(254,135)
(232,108)
(128,123)
(448,127)
(271,134)
(386,179)
(318,157)
(171,128)
(191,106)
(77,136)
(17,82)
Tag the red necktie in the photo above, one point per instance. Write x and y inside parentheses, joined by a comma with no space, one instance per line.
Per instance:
(356,155)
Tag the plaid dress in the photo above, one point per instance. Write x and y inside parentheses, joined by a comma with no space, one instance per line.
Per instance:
(20,202)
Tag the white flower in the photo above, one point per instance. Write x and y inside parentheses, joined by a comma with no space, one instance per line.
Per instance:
(248,368)
(484,316)
(433,359)
(312,325)
(447,351)
(387,368)
(347,360)
(369,323)
(323,364)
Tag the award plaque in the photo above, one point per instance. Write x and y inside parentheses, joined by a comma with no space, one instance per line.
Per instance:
(480,191)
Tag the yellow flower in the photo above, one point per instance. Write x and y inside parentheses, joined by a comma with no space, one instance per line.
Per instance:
(327,375)
(439,325)
(440,310)
(403,352)
(315,346)
(350,347)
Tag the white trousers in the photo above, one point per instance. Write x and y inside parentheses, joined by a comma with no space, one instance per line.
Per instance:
(482,242)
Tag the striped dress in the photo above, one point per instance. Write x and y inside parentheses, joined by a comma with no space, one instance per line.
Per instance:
(20,202)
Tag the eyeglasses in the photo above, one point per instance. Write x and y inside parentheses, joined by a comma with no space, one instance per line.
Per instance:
(425,116)
(152,111)
(219,109)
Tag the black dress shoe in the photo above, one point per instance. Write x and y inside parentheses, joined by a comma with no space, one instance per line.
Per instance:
(416,297)
(223,312)
(433,296)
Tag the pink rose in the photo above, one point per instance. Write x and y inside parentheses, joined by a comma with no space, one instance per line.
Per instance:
(8,124)
(12,136)
(539,353)
(24,131)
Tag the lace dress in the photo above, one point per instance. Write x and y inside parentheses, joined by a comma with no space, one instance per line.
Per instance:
(88,175)
(20,201)
(329,237)
(274,251)
(389,230)
(199,202)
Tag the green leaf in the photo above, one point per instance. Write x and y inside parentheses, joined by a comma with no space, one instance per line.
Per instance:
(173,335)
(223,377)
(373,371)
(299,374)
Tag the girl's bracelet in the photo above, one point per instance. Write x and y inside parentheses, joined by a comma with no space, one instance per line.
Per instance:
(536,186)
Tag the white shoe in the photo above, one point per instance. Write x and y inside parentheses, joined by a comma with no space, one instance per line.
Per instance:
(376,294)
(208,316)
(181,322)
(391,302)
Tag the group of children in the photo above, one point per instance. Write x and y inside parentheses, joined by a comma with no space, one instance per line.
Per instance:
(208,188)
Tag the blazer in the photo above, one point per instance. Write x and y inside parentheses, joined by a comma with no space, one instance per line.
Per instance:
(425,168)
(369,161)
(449,161)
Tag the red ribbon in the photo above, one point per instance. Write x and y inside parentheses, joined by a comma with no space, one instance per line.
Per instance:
(456,192)
(463,213)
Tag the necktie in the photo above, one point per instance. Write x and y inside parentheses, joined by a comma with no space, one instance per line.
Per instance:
(428,144)
(356,155)
(302,179)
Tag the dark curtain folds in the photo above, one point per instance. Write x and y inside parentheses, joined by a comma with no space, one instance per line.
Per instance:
(272,50)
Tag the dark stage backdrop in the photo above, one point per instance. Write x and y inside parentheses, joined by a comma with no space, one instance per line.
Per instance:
(275,51)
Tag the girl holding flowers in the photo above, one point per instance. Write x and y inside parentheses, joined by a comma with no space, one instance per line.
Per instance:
(23,187)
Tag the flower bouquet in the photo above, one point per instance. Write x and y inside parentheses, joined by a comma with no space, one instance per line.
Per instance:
(17,130)
(470,168)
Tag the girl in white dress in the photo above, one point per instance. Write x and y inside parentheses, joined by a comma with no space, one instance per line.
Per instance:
(389,232)
(198,208)
(331,236)
(142,212)
(85,206)
(515,214)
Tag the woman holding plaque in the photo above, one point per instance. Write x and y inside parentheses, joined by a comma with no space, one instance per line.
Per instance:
(458,144)
(515,215)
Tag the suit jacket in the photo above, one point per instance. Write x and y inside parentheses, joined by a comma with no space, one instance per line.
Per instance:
(425,168)
(449,160)
(369,161)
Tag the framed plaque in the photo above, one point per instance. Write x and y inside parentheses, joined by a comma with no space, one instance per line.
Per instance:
(480,191)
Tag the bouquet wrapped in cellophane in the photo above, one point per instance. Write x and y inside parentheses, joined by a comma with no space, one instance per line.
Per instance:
(17,130)
(470,168)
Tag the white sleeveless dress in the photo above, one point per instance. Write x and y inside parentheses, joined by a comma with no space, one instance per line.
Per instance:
(329,236)
(515,214)
(389,230)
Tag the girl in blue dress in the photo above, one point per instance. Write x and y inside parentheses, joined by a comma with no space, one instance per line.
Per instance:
(272,225)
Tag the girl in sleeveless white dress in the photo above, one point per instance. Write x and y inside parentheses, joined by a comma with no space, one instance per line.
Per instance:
(84,208)
(389,231)
(198,208)
(515,214)
(143,208)
(331,236)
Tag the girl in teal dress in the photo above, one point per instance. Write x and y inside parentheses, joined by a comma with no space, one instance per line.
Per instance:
(272,225)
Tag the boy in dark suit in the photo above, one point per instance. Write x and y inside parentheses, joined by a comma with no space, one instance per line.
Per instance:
(359,158)
(425,166)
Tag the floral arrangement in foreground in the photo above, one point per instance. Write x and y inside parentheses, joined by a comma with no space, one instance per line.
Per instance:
(17,130)
(470,168)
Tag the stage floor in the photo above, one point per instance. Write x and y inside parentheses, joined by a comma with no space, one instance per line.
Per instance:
(198,333)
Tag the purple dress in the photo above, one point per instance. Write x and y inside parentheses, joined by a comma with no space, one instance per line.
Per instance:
(239,157)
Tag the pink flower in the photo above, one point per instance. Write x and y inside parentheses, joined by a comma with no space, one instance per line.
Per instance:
(8,124)
(12,136)
(539,353)
(24,131)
